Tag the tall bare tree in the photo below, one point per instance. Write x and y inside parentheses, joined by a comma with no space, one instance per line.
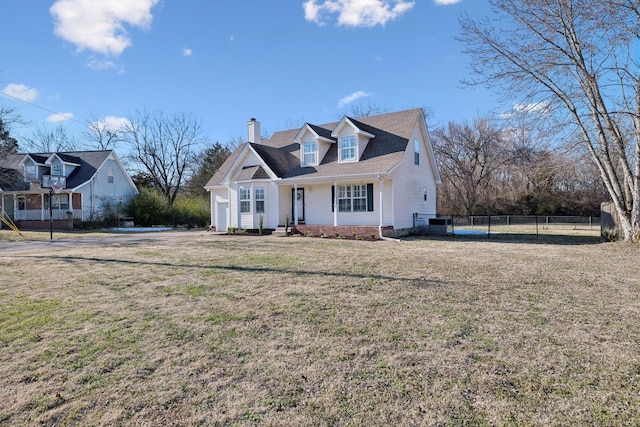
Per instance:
(163,148)
(45,140)
(100,134)
(578,57)
(469,155)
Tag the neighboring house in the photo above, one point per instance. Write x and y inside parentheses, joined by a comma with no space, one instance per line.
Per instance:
(91,180)
(369,175)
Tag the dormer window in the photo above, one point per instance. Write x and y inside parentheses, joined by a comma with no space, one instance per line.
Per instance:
(347,148)
(310,153)
(30,172)
(56,169)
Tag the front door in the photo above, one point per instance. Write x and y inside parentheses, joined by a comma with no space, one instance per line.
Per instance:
(297,204)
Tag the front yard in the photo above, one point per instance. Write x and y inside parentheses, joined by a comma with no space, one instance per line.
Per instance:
(198,329)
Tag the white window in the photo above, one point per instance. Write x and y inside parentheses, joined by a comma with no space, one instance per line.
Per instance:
(56,169)
(310,153)
(30,172)
(416,152)
(110,175)
(259,200)
(58,201)
(360,198)
(353,198)
(21,203)
(245,200)
(347,148)
(344,198)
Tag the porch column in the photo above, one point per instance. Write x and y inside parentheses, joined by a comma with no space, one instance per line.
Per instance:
(42,218)
(335,204)
(381,204)
(239,218)
(393,204)
(214,212)
(295,204)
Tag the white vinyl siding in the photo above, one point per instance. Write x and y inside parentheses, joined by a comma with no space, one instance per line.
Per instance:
(410,184)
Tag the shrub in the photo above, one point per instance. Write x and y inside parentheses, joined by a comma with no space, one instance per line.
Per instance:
(149,207)
(610,235)
(190,211)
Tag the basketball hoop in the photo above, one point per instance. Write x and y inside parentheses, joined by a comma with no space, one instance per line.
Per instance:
(56,188)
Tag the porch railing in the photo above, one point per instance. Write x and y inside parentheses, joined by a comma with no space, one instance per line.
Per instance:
(43,214)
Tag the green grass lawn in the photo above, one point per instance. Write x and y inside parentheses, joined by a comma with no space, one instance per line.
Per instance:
(198,329)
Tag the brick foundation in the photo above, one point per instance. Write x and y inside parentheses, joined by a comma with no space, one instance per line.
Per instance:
(340,231)
(44,225)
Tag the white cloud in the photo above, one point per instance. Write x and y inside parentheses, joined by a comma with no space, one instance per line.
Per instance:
(98,25)
(59,117)
(542,107)
(113,122)
(446,2)
(354,96)
(356,13)
(99,64)
(187,52)
(21,92)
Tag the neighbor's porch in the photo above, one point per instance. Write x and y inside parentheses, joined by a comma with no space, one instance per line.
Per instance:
(35,207)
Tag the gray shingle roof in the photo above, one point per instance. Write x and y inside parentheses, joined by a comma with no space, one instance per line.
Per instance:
(89,162)
(392,132)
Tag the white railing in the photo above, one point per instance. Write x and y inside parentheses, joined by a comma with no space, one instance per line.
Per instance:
(43,214)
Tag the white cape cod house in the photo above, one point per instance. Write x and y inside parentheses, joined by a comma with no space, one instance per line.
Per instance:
(366,175)
(91,180)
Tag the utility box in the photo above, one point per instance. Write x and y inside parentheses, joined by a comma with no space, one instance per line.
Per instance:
(440,226)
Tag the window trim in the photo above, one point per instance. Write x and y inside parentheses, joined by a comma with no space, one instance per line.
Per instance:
(416,152)
(313,152)
(56,169)
(259,201)
(245,200)
(352,140)
(346,194)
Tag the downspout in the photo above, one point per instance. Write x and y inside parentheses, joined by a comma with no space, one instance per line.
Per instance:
(381,203)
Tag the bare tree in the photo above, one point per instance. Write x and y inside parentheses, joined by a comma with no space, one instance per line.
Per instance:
(163,148)
(360,110)
(44,140)
(578,58)
(469,155)
(100,135)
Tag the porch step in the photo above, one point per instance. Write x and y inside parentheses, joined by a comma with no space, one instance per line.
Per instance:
(280,231)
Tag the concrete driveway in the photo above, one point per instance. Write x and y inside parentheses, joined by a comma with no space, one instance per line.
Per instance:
(93,241)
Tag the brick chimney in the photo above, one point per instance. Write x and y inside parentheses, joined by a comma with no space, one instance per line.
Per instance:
(253,129)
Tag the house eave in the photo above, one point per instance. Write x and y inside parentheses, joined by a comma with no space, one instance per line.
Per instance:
(332,178)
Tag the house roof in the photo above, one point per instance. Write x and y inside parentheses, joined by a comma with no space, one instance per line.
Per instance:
(281,154)
(89,162)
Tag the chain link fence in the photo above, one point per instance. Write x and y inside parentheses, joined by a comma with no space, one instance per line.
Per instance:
(528,226)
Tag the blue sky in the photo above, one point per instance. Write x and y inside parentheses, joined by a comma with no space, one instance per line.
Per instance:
(224,62)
